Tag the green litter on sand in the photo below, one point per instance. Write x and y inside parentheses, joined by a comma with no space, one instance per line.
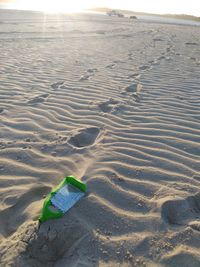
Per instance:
(62,198)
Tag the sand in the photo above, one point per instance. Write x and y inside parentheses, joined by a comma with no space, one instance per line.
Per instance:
(116,103)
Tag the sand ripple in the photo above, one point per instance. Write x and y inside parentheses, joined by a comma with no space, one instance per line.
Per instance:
(118,106)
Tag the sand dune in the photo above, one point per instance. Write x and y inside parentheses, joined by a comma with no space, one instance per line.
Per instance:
(116,103)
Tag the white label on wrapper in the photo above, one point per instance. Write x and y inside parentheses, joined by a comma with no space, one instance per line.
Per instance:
(66,197)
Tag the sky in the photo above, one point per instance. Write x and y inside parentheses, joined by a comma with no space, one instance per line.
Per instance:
(191,7)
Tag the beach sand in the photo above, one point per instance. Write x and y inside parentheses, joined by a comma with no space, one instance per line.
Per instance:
(116,103)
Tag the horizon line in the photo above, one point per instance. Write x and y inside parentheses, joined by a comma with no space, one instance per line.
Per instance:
(5,7)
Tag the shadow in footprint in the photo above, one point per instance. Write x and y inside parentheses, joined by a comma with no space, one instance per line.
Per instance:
(134,90)
(89,74)
(191,43)
(144,67)
(111,66)
(85,77)
(105,107)
(134,75)
(1,110)
(161,57)
(85,137)
(108,106)
(92,71)
(182,211)
(55,86)
(38,99)
(158,40)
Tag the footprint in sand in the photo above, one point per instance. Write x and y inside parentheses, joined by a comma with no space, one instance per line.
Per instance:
(158,40)
(55,86)
(134,75)
(88,74)
(134,89)
(168,49)
(38,99)
(108,106)
(183,211)
(144,67)
(1,110)
(111,66)
(131,88)
(92,71)
(85,137)
(191,43)
(161,57)
(85,77)
(105,107)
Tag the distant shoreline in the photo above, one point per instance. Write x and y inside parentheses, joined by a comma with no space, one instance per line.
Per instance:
(129,12)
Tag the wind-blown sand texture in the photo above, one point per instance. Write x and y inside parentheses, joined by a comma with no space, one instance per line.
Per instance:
(116,103)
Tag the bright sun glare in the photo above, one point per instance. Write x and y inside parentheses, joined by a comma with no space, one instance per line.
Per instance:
(54,6)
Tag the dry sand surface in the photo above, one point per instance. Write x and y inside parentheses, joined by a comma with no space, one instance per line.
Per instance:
(117,104)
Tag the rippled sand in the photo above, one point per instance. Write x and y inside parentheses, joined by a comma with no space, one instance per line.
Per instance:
(116,103)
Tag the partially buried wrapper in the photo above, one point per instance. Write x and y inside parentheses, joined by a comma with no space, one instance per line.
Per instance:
(62,198)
